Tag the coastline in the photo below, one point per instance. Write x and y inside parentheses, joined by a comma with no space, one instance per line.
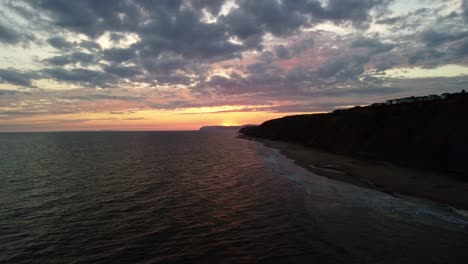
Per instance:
(403,182)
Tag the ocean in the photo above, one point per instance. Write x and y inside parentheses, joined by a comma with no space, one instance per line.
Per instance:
(193,197)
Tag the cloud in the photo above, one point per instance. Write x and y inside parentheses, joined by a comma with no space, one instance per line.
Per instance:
(59,43)
(276,17)
(94,97)
(122,71)
(174,42)
(134,118)
(465,9)
(195,53)
(212,6)
(461,48)
(187,36)
(360,91)
(8,35)
(374,45)
(282,52)
(439,48)
(82,58)
(16,77)
(176,26)
(12,92)
(354,11)
(90,45)
(434,38)
(82,16)
(389,21)
(428,57)
(118,55)
(78,75)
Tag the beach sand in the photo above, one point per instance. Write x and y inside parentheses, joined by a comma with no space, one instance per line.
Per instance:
(399,181)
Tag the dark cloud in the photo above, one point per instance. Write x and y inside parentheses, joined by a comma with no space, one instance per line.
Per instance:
(282,53)
(175,26)
(266,78)
(186,35)
(440,48)
(88,17)
(434,38)
(212,6)
(122,71)
(414,20)
(9,35)
(79,75)
(241,24)
(16,77)
(354,11)
(283,18)
(82,58)
(302,45)
(389,21)
(172,45)
(465,10)
(58,60)
(386,63)
(90,45)
(59,43)
(164,63)
(118,55)
(374,45)
(427,57)
(117,37)
(461,48)
(173,79)
(276,17)
(174,42)
(343,68)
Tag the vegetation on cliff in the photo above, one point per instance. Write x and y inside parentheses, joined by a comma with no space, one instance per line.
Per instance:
(425,134)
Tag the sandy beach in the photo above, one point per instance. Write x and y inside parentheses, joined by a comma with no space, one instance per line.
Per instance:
(399,181)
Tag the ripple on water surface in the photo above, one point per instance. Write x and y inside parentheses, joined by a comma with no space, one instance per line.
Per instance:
(158,197)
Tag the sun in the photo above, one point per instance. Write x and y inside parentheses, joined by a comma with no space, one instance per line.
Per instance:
(229,123)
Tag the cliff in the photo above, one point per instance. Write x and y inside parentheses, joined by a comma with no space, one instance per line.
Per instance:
(424,134)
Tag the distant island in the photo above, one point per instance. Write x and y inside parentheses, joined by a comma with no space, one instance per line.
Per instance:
(427,133)
(222,128)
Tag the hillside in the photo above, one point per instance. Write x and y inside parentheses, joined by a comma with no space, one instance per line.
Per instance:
(428,134)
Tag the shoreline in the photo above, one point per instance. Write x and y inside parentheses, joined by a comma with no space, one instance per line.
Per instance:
(406,183)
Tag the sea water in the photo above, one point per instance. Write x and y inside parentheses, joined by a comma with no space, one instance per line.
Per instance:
(193,197)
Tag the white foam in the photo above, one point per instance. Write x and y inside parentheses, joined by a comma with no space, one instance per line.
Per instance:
(354,196)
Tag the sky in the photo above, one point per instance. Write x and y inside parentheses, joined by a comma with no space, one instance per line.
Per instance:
(181,64)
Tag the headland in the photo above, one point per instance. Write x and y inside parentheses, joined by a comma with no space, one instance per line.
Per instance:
(411,146)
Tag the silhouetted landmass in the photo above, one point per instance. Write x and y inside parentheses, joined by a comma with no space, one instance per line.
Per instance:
(429,134)
(222,128)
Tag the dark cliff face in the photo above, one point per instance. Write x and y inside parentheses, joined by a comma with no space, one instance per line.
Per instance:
(430,135)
